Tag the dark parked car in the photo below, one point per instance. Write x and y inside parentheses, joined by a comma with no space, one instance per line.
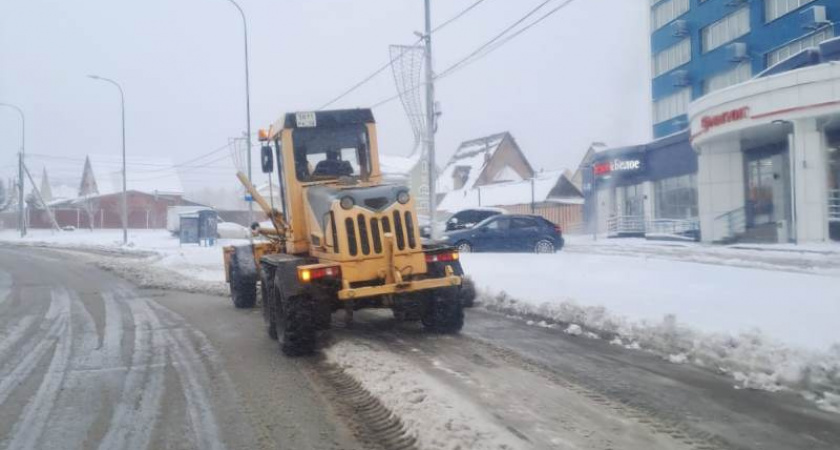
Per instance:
(469,218)
(508,233)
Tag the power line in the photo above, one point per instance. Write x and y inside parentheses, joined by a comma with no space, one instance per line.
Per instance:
(494,39)
(385,67)
(183,170)
(484,52)
(485,49)
(162,167)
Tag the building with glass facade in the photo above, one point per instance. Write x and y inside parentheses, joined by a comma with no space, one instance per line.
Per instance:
(701,46)
(745,95)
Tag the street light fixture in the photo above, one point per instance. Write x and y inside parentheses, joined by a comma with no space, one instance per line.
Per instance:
(21,204)
(124,190)
(247,101)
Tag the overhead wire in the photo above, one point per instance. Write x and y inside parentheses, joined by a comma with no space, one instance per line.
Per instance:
(385,67)
(485,49)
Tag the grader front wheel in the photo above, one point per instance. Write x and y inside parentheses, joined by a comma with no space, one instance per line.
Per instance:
(243,284)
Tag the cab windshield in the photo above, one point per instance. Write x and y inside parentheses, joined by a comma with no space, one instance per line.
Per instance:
(328,153)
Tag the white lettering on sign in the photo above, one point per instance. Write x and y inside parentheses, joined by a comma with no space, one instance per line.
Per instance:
(619,165)
(306,120)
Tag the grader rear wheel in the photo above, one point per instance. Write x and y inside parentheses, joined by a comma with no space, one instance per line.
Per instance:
(268,300)
(444,312)
(299,326)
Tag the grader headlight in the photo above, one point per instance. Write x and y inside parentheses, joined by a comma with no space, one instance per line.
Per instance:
(403,197)
(347,202)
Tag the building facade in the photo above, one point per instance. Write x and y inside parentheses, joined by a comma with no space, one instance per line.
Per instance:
(702,46)
(769,157)
(643,190)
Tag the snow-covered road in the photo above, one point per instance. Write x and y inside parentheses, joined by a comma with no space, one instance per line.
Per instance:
(87,361)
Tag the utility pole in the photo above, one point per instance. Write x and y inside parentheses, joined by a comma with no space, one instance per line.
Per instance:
(21,156)
(247,103)
(430,121)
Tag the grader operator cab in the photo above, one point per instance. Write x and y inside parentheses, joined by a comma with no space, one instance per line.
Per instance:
(341,238)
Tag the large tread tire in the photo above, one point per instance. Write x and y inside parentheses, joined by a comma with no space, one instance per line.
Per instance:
(243,287)
(269,301)
(467,292)
(444,313)
(299,327)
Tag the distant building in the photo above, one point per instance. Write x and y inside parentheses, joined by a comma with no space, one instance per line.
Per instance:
(702,46)
(493,172)
(480,162)
(152,186)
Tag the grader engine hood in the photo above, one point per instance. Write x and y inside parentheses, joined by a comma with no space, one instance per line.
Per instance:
(370,230)
(373,198)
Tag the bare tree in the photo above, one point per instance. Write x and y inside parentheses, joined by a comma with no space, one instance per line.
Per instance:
(7,196)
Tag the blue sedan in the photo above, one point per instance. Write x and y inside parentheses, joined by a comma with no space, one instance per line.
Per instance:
(508,233)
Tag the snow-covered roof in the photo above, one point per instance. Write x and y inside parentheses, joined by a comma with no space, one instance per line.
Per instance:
(398,166)
(507,194)
(147,175)
(469,159)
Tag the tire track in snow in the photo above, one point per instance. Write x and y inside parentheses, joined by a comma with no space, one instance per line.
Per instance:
(10,339)
(33,420)
(5,287)
(194,379)
(54,322)
(95,373)
(139,403)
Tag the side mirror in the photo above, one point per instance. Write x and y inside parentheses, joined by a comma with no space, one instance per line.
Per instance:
(267,159)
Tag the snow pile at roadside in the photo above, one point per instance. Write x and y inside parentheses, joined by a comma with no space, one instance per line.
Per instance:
(434,413)
(152,259)
(754,360)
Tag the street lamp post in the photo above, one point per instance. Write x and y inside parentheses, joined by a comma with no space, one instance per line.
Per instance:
(247,101)
(21,204)
(124,190)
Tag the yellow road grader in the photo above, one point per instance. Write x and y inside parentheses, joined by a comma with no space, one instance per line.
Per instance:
(341,239)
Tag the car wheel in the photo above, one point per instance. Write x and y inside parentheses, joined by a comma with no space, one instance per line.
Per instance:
(464,247)
(544,246)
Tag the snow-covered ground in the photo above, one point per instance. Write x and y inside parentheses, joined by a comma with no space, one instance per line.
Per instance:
(765,314)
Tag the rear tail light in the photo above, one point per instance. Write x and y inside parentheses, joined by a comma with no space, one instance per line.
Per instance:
(307,275)
(442,257)
(558,229)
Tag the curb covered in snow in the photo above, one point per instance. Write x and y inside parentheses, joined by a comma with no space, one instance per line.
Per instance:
(752,359)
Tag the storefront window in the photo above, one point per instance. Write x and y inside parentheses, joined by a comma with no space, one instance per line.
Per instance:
(633,201)
(676,198)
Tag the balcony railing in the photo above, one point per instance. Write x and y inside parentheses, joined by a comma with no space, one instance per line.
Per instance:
(834,205)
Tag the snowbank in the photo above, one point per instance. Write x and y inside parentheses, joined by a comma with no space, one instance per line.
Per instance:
(766,328)
(152,259)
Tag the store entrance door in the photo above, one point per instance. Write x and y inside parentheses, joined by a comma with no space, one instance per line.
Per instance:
(768,197)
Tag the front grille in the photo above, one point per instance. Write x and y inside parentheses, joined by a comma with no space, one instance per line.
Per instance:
(398,230)
(352,246)
(374,232)
(371,233)
(409,230)
(363,235)
(334,232)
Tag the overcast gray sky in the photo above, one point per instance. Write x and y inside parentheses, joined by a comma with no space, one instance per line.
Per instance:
(580,76)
